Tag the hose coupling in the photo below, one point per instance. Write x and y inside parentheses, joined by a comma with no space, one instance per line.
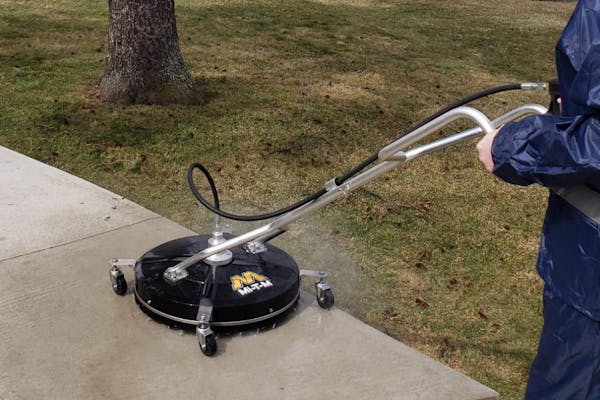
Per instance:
(534,86)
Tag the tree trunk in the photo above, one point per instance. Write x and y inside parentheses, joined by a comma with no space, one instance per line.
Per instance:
(144,61)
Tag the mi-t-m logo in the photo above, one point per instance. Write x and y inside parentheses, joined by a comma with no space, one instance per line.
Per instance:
(248,282)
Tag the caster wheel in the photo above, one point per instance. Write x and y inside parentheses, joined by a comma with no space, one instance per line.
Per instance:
(120,287)
(326,299)
(210,345)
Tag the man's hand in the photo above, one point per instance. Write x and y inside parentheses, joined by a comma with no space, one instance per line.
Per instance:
(484,148)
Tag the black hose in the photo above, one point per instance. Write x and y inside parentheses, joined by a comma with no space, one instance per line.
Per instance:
(211,182)
(339,180)
(215,208)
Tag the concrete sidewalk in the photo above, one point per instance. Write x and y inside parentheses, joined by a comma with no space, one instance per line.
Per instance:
(64,334)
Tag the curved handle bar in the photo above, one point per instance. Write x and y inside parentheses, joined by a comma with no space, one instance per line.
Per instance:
(389,151)
(393,158)
(474,132)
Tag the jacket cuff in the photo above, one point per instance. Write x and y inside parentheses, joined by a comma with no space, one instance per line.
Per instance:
(511,140)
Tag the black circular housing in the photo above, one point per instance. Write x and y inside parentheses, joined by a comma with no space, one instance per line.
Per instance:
(252,289)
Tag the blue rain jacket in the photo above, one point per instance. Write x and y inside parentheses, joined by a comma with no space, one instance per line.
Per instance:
(563,153)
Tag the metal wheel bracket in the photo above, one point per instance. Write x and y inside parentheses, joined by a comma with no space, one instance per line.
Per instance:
(203,330)
(205,310)
(122,262)
(323,291)
(321,288)
(117,280)
(115,273)
(202,334)
(325,297)
(314,274)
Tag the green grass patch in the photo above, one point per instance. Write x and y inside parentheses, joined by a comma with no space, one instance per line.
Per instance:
(439,254)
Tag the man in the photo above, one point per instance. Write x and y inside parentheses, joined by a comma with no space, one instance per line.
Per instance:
(563,154)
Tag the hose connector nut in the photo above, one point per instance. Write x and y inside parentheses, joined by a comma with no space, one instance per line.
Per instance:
(533,86)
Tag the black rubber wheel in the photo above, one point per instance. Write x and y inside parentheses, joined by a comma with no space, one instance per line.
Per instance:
(121,287)
(211,346)
(327,300)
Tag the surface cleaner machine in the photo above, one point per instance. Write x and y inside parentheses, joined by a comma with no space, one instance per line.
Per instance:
(220,282)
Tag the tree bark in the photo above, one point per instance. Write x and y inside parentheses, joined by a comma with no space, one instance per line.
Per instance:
(144,60)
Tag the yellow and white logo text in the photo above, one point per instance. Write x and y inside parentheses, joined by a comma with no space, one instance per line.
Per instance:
(248,282)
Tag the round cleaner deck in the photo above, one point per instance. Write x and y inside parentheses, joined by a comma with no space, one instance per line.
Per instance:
(251,289)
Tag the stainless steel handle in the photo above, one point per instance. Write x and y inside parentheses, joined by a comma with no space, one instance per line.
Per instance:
(391,157)
(389,152)
(474,132)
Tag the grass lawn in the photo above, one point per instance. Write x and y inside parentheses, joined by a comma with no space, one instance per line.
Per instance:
(439,254)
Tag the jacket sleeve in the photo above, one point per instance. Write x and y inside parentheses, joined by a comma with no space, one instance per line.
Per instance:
(549,150)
